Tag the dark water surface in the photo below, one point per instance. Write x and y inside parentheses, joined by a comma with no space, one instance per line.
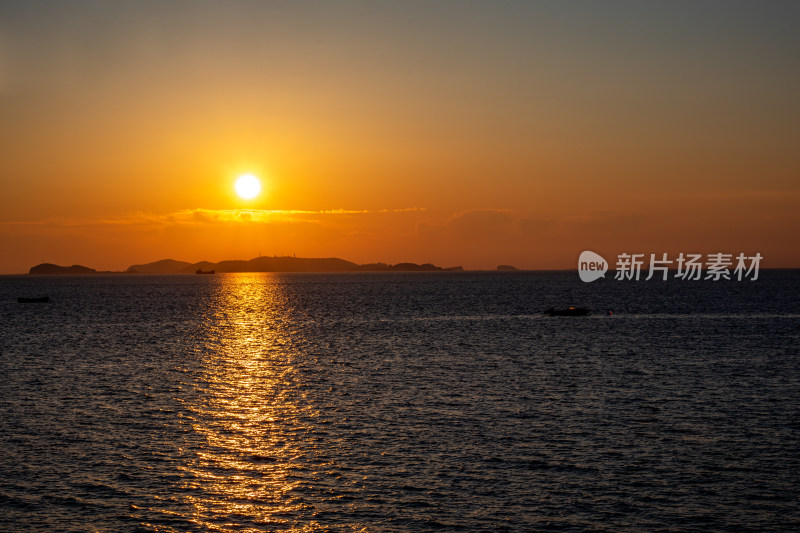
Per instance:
(398,402)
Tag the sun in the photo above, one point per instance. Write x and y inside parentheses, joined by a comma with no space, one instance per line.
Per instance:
(248,186)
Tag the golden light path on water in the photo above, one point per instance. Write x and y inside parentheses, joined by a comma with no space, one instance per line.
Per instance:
(397,402)
(247,410)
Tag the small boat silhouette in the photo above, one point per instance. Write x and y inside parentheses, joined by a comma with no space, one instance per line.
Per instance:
(198,271)
(571,311)
(39,300)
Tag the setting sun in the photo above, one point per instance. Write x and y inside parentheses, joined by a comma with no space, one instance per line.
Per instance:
(248,186)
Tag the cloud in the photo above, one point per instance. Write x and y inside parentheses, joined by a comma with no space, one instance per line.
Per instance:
(200,216)
(483,224)
(476,238)
(496,232)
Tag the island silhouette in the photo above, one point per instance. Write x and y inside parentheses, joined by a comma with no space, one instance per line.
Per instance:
(49,268)
(258,264)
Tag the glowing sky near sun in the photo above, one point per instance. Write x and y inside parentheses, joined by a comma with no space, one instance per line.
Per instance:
(463,133)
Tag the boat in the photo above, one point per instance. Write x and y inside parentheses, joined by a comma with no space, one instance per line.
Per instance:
(199,271)
(570,311)
(40,300)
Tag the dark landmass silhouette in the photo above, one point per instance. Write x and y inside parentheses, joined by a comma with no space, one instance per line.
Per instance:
(259,264)
(165,266)
(51,269)
(277,264)
(507,268)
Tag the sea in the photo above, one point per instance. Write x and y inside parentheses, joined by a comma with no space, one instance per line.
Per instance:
(372,402)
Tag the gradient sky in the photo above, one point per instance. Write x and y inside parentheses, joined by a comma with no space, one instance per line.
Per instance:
(463,133)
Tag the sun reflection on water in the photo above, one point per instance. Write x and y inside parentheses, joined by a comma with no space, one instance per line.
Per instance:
(248,409)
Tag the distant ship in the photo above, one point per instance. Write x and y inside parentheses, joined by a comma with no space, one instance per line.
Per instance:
(199,271)
(571,311)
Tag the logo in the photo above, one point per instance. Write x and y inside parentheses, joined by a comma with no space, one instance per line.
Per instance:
(719,265)
(591,266)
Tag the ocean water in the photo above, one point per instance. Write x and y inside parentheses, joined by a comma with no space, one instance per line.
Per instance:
(399,402)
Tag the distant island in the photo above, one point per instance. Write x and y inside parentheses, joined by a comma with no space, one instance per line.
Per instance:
(259,264)
(51,269)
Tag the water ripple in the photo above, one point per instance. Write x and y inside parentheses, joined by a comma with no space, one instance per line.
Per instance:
(397,403)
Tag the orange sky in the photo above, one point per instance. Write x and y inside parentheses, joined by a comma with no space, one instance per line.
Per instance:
(474,135)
